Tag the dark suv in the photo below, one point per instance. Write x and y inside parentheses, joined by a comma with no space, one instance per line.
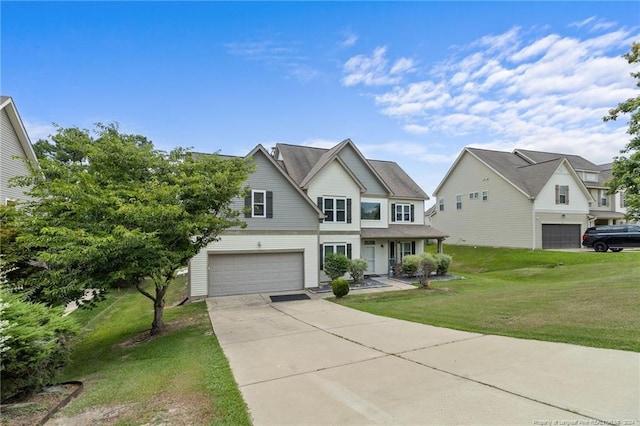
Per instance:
(614,237)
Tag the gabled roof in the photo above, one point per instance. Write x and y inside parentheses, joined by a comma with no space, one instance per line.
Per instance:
(6,104)
(304,163)
(522,172)
(260,149)
(576,161)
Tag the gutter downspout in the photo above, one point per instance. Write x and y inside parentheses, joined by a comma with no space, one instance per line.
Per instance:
(533,224)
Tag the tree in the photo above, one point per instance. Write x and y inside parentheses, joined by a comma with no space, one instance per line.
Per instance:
(336,265)
(625,171)
(112,208)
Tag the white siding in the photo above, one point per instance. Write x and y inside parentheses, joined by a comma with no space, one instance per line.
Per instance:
(334,181)
(418,210)
(307,243)
(10,147)
(546,199)
(384,213)
(503,220)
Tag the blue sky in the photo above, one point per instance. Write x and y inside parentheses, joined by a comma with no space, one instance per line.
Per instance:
(411,82)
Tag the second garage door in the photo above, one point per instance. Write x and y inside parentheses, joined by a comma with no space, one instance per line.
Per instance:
(255,273)
(560,236)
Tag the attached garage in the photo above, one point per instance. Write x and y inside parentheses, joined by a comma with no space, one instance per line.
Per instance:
(556,236)
(246,273)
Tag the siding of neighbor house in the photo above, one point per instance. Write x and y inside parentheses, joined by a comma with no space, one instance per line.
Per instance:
(506,209)
(10,166)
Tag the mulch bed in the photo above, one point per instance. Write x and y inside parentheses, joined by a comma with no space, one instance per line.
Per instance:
(37,409)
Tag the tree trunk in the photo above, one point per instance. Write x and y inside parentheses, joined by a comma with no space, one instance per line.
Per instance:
(158,311)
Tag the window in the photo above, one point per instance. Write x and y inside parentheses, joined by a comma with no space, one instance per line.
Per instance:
(259,204)
(473,195)
(441,204)
(562,194)
(589,176)
(336,209)
(458,202)
(604,200)
(623,200)
(370,211)
(485,195)
(402,212)
(406,248)
(328,248)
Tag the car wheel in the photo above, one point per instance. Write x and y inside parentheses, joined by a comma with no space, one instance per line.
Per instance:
(600,247)
(616,250)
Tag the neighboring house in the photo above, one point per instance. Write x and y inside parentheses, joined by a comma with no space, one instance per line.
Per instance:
(15,146)
(523,198)
(308,202)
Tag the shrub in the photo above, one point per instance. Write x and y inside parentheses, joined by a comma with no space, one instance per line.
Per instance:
(336,265)
(340,287)
(35,344)
(410,264)
(357,268)
(427,264)
(444,261)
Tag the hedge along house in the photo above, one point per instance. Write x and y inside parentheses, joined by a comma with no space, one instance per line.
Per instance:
(305,203)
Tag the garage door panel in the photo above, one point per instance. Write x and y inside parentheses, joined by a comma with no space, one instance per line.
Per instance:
(560,236)
(255,273)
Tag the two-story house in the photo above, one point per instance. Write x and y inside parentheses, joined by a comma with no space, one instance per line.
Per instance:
(308,202)
(524,198)
(15,147)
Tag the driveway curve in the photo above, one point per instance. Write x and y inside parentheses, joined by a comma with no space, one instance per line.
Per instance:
(313,362)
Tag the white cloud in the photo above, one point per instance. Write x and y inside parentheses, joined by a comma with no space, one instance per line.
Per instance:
(542,89)
(38,131)
(349,40)
(373,70)
(321,143)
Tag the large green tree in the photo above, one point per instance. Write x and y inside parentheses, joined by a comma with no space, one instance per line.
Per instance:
(626,167)
(111,208)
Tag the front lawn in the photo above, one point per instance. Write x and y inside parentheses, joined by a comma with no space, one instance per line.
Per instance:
(179,377)
(585,298)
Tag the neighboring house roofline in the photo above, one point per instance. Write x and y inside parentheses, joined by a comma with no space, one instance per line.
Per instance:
(260,148)
(6,103)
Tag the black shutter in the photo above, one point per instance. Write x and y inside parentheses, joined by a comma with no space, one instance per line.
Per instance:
(269,202)
(393,212)
(392,250)
(557,194)
(348,210)
(412,213)
(349,250)
(247,206)
(321,257)
(320,206)
(567,197)
(413,247)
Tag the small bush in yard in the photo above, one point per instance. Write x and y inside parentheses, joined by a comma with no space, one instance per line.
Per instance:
(340,287)
(35,345)
(357,268)
(428,264)
(336,265)
(410,264)
(444,261)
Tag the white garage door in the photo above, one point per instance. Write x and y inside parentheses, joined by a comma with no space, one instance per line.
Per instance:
(255,273)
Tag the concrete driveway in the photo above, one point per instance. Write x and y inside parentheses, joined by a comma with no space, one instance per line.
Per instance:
(313,362)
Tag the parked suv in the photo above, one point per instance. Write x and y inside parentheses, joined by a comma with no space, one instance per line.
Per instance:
(614,237)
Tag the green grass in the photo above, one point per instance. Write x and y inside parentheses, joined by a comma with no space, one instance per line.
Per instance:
(585,298)
(182,373)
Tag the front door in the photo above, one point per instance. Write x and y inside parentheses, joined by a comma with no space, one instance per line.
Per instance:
(370,257)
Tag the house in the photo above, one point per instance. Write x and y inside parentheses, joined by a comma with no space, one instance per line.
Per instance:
(524,198)
(308,202)
(15,146)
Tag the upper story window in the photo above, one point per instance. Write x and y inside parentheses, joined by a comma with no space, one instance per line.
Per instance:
(458,202)
(441,204)
(402,213)
(485,195)
(562,194)
(604,200)
(259,204)
(589,177)
(336,209)
(474,195)
(623,200)
(369,211)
